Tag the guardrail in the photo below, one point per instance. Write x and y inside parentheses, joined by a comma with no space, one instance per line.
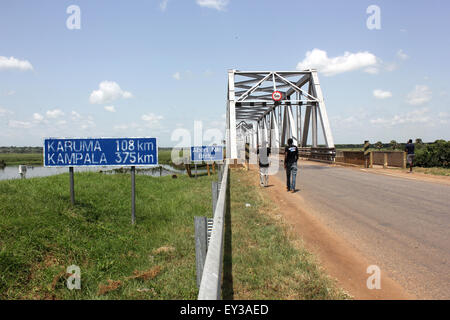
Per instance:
(211,279)
(318,154)
(384,158)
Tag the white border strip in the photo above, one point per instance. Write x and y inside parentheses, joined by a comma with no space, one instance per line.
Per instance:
(101,165)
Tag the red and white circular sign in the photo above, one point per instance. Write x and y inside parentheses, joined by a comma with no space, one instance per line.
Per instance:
(277,96)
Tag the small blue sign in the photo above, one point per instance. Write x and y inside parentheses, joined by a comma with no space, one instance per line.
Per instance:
(206,153)
(66,152)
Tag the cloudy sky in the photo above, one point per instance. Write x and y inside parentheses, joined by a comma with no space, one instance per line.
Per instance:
(146,68)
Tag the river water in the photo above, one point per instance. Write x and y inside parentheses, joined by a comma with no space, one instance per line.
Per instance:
(12,172)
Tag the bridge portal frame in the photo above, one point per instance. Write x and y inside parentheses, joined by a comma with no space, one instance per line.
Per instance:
(249,99)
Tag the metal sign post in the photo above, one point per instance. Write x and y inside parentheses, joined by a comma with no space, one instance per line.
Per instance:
(72,187)
(133,195)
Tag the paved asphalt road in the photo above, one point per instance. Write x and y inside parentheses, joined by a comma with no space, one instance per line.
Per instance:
(402,225)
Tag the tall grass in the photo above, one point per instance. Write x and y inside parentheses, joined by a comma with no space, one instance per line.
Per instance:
(41,235)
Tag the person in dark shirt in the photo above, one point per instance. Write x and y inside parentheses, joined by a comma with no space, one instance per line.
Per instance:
(263,160)
(409,149)
(290,165)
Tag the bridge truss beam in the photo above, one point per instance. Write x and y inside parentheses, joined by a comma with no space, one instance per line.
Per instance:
(249,101)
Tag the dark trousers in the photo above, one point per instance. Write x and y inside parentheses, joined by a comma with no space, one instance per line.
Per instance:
(291,175)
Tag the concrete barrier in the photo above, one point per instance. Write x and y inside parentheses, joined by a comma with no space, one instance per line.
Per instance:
(383,158)
(389,158)
(351,157)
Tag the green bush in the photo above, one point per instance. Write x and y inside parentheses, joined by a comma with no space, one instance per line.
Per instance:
(436,154)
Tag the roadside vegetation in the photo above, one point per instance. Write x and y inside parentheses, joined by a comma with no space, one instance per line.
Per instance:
(31,159)
(433,171)
(41,235)
(267,260)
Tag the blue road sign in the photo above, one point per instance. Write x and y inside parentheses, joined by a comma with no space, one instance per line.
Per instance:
(66,152)
(207,153)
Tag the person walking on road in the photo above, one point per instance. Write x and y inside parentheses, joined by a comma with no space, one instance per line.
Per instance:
(290,165)
(263,160)
(409,149)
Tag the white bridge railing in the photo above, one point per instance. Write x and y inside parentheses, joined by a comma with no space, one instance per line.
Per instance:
(211,280)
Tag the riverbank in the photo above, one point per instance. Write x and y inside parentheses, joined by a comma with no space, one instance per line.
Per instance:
(30,159)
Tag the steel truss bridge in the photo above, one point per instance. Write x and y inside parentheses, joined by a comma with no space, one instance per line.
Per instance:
(255,117)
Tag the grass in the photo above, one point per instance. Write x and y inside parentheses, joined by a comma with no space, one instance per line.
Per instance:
(433,171)
(21,158)
(266,259)
(41,235)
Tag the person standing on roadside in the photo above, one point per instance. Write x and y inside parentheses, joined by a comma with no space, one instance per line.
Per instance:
(409,149)
(263,160)
(290,165)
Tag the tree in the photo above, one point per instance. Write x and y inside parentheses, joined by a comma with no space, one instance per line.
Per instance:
(379,145)
(394,144)
(419,141)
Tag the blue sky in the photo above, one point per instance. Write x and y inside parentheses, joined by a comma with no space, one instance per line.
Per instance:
(159,65)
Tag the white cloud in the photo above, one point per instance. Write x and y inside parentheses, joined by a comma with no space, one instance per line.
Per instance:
(133,125)
(87,123)
(443,117)
(318,59)
(37,117)
(415,116)
(372,70)
(390,66)
(402,55)
(53,114)
(13,63)
(4,112)
(75,116)
(219,5)
(420,95)
(163,5)
(110,108)
(20,124)
(108,91)
(121,127)
(152,119)
(380,94)
(177,76)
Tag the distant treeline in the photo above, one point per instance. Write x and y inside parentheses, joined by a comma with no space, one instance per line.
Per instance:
(20,149)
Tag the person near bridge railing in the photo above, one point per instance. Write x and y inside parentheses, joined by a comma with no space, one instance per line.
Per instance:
(409,149)
(263,160)
(290,165)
